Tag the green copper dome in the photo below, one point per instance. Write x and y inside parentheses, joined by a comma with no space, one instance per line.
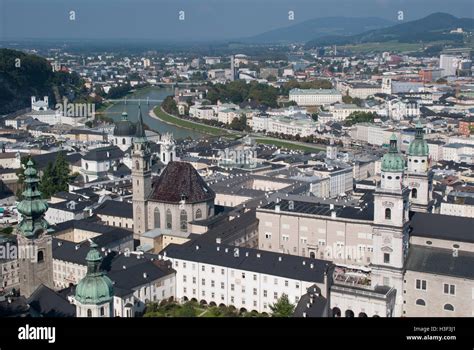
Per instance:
(32,208)
(95,288)
(419,146)
(393,161)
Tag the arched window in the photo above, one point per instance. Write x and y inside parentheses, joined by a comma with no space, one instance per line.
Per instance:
(87,166)
(123,141)
(89,313)
(448,307)
(388,214)
(169,219)
(157,218)
(137,165)
(198,214)
(420,302)
(183,220)
(414,193)
(102,311)
(164,157)
(40,256)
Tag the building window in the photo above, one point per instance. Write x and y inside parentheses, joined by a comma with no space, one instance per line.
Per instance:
(222,271)
(203,268)
(40,256)
(286,283)
(198,214)
(184,278)
(222,285)
(388,214)
(414,193)
(386,258)
(264,293)
(203,282)
(255,291)
(448,307)
(183,219)
(137,165)
(243,274)
(194,280)
(213,269)
(275,295)
(212,284)
(157,218)
(449,289)
(169,219)
(254,277)
(232,287)
(420,302)
(420,284)
(89,313)
(102,311)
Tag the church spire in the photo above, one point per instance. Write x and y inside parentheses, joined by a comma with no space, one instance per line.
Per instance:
(32,208)
(140,135)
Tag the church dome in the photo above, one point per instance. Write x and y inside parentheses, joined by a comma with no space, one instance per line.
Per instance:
(419,146)
(393,161)
(95,288)
(124,127)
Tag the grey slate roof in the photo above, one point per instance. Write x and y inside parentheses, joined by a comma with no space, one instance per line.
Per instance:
(48,303)
(115,208)
(446,227)
(440,261)
(252,260)
(104,153)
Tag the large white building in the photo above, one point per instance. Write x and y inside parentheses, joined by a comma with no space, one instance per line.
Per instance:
(248,279)
(315,97)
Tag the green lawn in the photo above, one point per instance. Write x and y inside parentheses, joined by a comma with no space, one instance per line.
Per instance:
(205,129)
(288,145)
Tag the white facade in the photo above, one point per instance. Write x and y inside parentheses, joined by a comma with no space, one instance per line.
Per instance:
(244,289)
(315,97)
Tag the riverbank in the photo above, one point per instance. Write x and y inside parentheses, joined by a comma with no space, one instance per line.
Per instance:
(158,113)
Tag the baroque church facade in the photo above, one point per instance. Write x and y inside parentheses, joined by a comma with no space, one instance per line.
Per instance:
(178,197)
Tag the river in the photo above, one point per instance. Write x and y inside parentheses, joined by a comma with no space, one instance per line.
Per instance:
(153,93)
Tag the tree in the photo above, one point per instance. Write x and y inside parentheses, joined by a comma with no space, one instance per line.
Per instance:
(56,177)
(169,105)
(360,117)
(283,307)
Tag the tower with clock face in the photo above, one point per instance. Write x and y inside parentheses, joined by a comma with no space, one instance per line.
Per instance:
(390,232)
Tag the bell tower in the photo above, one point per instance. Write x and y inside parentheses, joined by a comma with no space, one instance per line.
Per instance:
(141,177)
(419,175)
(35,254)
(390,232)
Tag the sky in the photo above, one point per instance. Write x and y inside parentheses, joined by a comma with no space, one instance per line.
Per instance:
(203,19)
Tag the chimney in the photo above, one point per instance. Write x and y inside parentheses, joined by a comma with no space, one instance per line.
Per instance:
(218,240)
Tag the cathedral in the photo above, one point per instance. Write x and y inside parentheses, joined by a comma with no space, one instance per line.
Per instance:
(179,195)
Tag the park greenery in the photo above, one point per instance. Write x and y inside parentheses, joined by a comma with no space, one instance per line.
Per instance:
(360,117)
(240,91)
(169,308)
